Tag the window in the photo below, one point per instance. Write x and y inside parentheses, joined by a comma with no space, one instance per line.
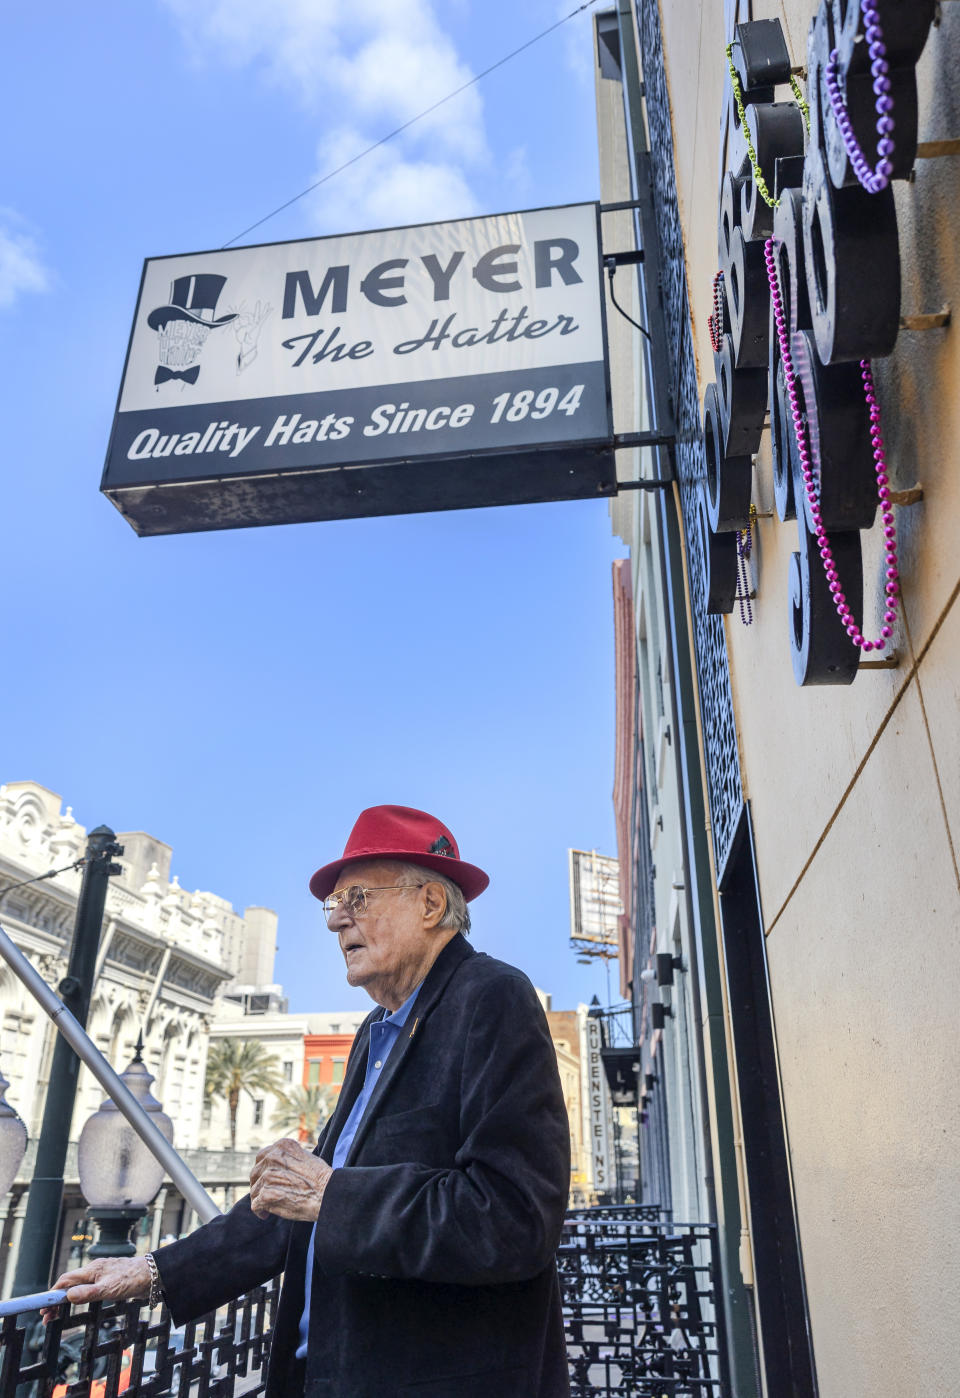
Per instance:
(207,1114)
(288,1072)
(258,1112)
(337,1070)
(313,1072)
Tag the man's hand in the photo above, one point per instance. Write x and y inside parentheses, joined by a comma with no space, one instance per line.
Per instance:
(287,1181)
(106,1279)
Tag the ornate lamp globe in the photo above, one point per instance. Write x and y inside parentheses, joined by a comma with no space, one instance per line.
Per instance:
(13,1140)
(119,1176)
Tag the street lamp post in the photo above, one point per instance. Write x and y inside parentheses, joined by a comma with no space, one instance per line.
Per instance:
(45,1196)
(119,1177)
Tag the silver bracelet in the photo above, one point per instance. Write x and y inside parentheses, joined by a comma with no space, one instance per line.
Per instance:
(156,1290)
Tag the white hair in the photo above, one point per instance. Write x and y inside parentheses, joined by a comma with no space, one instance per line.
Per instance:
(456,914)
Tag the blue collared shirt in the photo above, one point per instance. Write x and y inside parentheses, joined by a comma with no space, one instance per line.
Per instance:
(384,1033)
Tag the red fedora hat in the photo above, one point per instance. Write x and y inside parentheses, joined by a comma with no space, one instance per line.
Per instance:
(399,832)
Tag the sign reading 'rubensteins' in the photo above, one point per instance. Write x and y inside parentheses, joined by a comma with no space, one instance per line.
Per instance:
(436,367)
(598,1116)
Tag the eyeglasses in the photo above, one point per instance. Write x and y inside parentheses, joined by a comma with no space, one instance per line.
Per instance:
(353,900)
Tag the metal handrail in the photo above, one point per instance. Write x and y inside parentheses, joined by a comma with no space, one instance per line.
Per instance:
(16,1305)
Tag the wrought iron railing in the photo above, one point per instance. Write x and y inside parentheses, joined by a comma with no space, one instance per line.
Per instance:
(640,1306)
(103,1350)
(618,1025)
(599,1214)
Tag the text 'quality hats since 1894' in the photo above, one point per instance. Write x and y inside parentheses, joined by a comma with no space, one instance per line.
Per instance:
(399,832)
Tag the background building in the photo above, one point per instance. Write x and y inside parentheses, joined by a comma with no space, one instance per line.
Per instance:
(311,1050)
(282,1036)
(326,1048)
(565,1033)
(166,957)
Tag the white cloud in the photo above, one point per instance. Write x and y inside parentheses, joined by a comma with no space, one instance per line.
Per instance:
(21,267)
(299,35)
(385,189)
(377,63)
(393,77)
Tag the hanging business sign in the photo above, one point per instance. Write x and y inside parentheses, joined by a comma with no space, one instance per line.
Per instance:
(438,367)
(598,1115)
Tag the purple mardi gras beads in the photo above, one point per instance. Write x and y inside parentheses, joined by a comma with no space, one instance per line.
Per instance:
(844,610)
(872,180)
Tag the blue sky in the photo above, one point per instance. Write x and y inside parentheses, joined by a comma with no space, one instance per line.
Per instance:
(243,695)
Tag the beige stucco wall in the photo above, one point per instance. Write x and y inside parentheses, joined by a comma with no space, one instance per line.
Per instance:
(855,796)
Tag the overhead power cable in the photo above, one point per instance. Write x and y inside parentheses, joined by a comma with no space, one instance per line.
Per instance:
(50,874)
(413,120)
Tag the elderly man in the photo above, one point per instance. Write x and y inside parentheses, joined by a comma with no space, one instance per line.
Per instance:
(417,1241)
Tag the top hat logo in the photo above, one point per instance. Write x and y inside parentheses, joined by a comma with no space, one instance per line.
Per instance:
(192,298)
(184,324)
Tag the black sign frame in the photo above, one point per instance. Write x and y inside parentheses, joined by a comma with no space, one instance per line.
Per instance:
(400,483)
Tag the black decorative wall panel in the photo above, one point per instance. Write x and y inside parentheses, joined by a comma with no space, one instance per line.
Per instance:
(713,674)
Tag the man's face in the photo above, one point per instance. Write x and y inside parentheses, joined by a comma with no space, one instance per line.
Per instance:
(388,948)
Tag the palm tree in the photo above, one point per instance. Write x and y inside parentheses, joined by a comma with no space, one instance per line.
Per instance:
(302,1109)
(235,1066)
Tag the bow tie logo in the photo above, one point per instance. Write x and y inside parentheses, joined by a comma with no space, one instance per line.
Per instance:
(164,375)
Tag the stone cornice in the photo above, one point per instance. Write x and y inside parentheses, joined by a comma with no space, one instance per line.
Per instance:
(133,949)
(44,914)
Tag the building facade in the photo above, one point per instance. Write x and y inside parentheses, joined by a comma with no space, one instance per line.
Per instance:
(565,1032)
(787,806)
(166,958)
(282,1036)
(327,1047)
(310,1050)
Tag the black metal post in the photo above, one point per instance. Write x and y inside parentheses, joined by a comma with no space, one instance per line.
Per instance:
(638,1189)
(40,1226)
(115,1228)
(618,1157)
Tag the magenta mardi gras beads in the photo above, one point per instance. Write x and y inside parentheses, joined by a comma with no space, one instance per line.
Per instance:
(883,482)
(872,180)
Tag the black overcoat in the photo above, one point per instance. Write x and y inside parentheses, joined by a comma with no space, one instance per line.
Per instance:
(434,1272)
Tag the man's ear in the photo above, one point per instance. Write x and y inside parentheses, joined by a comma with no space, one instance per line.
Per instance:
(435,903)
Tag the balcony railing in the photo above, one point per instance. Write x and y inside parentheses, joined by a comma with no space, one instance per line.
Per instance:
(639,1304)
(103,1350)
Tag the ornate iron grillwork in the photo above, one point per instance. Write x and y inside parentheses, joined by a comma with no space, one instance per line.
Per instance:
(639,1306)
(108,1349)
(716,702)
(639,1315)
(616,1213)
